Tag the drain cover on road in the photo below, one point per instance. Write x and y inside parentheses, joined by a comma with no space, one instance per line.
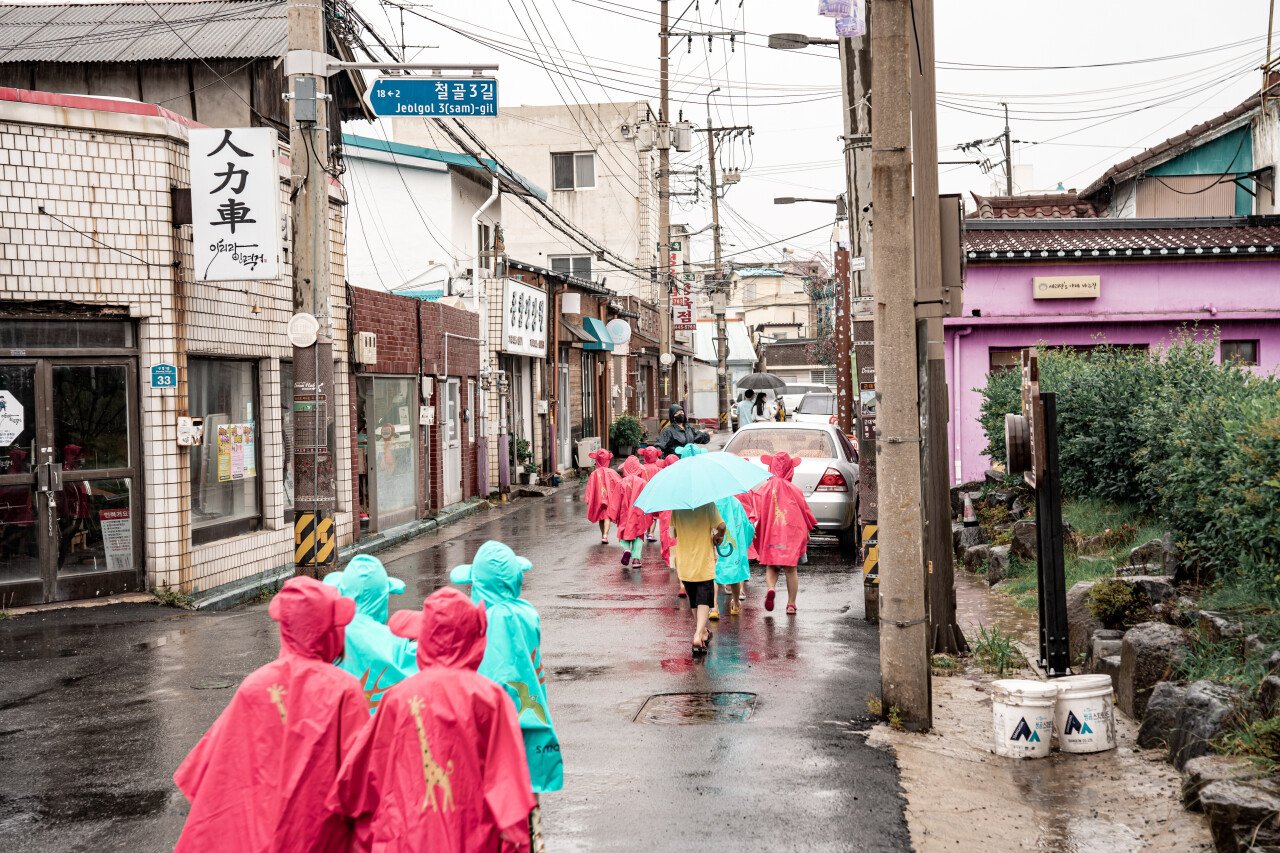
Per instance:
(608,596)
(690,709)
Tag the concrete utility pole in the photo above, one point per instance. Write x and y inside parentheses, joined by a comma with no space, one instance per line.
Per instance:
(904,648)
(722,332)
(664,210)
(1008,153)
(945,634)
(313,397)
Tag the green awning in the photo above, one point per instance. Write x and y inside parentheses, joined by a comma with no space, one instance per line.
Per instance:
(596,329)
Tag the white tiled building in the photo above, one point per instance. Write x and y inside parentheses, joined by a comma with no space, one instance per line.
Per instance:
(96,285)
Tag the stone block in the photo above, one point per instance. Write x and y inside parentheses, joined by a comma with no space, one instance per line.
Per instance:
(1269,697)
(1218,627)
(1105,643)
(975,558)
(1242,814)
(1147,657)
(1022,505)
(1161,715)
(1153,589)
(1110,666)
(1207,769)
(1080,622)
(968,537)
(1149,553)
(1023,543)
(997,563)
(1186,718)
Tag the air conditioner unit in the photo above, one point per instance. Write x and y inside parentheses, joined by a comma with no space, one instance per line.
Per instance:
(586,447)
(682,136)
(646,136)
(366,348)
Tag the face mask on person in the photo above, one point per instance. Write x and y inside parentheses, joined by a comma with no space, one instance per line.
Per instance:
(680,419)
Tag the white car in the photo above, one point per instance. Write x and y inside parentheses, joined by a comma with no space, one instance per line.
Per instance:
(791,394)
(814,409)
(827,474)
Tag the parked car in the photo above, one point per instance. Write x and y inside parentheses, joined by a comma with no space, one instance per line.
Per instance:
(827,474)
(791,394)
(815,409)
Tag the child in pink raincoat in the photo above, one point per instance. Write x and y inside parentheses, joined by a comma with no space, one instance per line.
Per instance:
(632,521)
(652,458)
(664,520)
(782,526)
(602,493)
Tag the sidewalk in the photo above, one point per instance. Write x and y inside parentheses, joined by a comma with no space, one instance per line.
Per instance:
(961,796)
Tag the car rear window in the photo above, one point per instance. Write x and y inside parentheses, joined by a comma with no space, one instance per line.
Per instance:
(817,404)
(805,443)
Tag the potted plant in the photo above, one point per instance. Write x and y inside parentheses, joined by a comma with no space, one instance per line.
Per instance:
(524,460)
(626,433)
(531,473)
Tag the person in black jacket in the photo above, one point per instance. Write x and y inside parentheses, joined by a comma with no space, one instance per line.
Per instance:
(677,433)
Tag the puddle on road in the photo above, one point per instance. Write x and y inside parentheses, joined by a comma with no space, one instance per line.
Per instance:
(691,709)
(977,605)
(63,805)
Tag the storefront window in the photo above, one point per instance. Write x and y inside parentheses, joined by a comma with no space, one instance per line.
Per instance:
(389,408)
(224,470)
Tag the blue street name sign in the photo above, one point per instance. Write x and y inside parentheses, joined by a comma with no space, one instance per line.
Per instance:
(164,376)
(465,97)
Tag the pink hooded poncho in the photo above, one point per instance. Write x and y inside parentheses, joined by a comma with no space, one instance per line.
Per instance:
(258,779)
(652,461)
(441,767)
(783,518)
(602,488)
(632,522)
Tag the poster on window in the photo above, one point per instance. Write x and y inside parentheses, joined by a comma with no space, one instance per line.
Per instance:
(237,452)
(235,203)
(117,539)
(682,319)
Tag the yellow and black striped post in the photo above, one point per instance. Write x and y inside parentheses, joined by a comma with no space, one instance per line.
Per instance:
(871,571)
(314,544)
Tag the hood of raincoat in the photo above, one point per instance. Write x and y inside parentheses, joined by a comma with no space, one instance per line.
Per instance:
(650,454)
(670,460)
(365,580)
(632,467)
(781,464)
(602,457)
(671,412)
(496,574)
(313,618)
(689,450)
(449,629)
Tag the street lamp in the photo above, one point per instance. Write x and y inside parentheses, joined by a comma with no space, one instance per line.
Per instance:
(795,41)
(842,211)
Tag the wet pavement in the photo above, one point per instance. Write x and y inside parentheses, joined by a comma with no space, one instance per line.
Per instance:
(759,747)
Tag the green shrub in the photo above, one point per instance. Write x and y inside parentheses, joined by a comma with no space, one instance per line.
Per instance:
(626,431)
(1116,604)
(994,651)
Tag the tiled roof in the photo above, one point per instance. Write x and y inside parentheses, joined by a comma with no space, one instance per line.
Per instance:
(1023,240)
(1066,205)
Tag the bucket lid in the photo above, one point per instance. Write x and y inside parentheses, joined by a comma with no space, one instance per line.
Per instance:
(1095,681)
(1025,688)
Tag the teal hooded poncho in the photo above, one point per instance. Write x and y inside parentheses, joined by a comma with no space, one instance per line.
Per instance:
(513,655)
(371,652)
(732,564)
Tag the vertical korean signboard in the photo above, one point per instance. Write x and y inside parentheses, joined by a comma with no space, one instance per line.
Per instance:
(235,204)
(682,319)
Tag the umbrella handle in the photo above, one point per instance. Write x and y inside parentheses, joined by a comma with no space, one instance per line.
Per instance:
(725,553)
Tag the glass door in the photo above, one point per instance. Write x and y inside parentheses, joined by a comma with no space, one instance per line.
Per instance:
(451,470)
(70,523)
(391,418)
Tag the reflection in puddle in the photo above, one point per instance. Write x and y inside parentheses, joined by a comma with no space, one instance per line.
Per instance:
(688,709)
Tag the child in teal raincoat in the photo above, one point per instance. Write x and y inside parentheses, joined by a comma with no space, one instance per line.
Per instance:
(732,564)
(513,656)
(371,652)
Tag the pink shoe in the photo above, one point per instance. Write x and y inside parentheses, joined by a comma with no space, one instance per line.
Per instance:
(682,593)
(626,558)
(768,601)
(791,610)
(604,540)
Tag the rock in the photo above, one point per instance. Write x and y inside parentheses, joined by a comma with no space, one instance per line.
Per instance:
(1207,769)
(957,496)
(969,537)
(1172,563)
(1002,498)
(997,564)
(1183,612)
(1080,622)
(1147,657)
(1023,543)
(1217,627)
(993,477)
(1242,814)
(1161,715)
(1105,643)
(1022,505)
(1253,645)
(1273,663)
(1153,589)
(1269,697)
(1151,553)
(976,557)
(1109,666)
(1130,571)
(1206,711)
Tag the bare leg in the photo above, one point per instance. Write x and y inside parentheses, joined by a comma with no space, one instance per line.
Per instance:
(700,632)
(771,576)
(793,584)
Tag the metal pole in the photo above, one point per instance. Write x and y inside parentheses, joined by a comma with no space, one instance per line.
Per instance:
(664,214)
(314,400)
(843,333)
(904,652)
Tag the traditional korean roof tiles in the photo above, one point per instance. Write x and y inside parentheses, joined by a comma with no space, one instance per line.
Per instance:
(989,241)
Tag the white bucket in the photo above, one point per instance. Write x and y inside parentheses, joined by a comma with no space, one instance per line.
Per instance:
(1085,720)
(1022,714)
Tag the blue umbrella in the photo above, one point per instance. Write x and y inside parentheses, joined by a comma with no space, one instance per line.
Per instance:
(701,479)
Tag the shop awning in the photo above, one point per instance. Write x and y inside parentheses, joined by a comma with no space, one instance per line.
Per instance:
(596,329)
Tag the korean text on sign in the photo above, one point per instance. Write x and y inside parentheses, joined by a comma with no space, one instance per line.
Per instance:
(417,96)
(235,204)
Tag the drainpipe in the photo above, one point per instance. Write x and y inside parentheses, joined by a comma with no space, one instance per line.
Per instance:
(480,304)
(955,400)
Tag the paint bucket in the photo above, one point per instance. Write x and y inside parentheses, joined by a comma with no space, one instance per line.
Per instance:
(1085,720)
(1022,713)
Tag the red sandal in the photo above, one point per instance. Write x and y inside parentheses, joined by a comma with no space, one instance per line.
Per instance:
(768,600)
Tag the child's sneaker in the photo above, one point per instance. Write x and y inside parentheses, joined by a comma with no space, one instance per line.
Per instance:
(626,558)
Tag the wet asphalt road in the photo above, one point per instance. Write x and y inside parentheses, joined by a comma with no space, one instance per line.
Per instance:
(98,706)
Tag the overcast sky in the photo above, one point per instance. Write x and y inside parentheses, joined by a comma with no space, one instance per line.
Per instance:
(1081,119)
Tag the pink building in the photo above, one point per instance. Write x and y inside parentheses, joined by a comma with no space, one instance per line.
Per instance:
(1082,282)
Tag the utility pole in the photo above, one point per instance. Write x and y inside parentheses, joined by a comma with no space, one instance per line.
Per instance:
(1008,153)
(904,647)
(945,634)
(313,397)
(721,283)
(664,210)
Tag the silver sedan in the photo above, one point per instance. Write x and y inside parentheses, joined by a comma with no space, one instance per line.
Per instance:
(827,474)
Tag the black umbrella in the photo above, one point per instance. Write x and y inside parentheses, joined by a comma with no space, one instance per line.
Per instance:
(762,382)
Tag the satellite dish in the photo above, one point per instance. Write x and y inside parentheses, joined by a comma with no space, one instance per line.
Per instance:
(619,330)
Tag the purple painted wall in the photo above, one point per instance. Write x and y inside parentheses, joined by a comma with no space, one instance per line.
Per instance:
(1140,303)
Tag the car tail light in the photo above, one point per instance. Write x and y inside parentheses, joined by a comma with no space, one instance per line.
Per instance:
(831,420)
(832,481)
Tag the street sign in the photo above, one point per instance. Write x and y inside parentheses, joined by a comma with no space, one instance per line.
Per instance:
(461,97)
(857,264)
(164,376)
(12,418)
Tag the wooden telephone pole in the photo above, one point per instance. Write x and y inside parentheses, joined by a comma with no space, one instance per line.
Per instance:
(664,210)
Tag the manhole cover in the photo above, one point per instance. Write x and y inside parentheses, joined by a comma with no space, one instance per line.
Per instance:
(608,596)
(691,709)
(214,684)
